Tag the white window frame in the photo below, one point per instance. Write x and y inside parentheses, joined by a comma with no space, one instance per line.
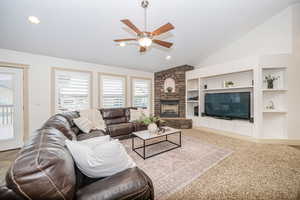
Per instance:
(54,92)
(101,76)
(150,90)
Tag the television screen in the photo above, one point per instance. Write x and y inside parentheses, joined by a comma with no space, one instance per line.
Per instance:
(228,105)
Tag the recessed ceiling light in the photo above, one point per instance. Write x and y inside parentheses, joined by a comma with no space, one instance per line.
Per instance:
(33,20)
(122,44)
(168,57)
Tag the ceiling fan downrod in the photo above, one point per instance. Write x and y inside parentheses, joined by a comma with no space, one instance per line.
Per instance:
(145,4)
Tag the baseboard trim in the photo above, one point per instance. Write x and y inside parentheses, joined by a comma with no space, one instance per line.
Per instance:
(248,138)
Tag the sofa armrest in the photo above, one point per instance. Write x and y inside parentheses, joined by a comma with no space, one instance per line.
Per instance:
(9,194)
(132,183)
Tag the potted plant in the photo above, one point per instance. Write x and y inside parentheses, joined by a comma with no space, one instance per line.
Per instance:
(270,81)
(152,122)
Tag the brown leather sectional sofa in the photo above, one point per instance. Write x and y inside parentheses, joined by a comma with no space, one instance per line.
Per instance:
(118,122)
(44,169)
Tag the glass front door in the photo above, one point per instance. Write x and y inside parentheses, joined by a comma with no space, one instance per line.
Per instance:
(11,108)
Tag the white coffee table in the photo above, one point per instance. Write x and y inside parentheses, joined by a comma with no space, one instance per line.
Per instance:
(147,135)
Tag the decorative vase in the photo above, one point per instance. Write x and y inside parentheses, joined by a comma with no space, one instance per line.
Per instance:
(169,89)
(152,128)
(270,84)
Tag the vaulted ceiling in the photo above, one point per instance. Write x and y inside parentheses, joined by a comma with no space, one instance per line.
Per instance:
(84,29)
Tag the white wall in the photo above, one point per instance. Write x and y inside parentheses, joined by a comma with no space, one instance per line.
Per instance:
(294,80)
(272,37)
(278,35)
(39,80)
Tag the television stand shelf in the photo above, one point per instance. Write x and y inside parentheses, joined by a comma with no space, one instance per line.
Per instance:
(229,88)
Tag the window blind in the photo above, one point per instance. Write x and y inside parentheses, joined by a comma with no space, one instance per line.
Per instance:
(72,90)
(113,92)
(141,93)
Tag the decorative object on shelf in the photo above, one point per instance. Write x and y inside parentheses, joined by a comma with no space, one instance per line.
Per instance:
(270,81)
(205,86)
(152,122)
(169,89)
(193,98)
(271,105)
(169,85)
(228,84)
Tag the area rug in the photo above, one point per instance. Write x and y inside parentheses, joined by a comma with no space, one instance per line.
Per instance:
(175,169)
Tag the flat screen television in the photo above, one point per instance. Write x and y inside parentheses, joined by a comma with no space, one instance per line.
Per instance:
(228,105)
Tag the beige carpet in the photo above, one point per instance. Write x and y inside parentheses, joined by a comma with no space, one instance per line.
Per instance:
(175,169)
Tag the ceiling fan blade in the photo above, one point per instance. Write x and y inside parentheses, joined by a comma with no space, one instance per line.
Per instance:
(131,25)
(165,28)
(142,49)
(163,43)
(123,40)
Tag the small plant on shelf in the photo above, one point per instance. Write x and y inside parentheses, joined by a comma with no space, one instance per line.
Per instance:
(270,81)
(228,84)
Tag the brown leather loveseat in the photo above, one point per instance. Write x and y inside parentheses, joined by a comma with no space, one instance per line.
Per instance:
(44,170)
(118,122)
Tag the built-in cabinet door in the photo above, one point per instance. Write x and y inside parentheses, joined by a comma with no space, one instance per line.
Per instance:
(11,108)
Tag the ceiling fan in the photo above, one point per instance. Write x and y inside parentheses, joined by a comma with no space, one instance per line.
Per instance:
(145,38)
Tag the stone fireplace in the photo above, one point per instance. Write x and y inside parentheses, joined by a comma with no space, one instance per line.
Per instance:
(170,96)
(169,108)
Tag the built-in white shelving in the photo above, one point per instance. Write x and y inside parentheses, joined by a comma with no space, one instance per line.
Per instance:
(229,88)
(273,68)
(269,106)
(193,101)
(274,90)
(192,107)
(193,90)
(274,119)
(275,111)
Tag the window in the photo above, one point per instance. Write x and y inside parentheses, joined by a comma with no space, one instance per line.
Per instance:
(141,92)
(113,91)
(72,90)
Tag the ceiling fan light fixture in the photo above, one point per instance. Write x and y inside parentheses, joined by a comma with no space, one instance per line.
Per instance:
(145,42)
(122,44)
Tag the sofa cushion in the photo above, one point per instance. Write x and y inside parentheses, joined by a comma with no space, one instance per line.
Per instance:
(112,113)
(44,168)
(70,116)
(61,123)
(116,120)
(130,184)
(120,129)
(138,126)
(92,134)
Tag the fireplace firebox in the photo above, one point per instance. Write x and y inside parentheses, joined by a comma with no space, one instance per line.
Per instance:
(169,108)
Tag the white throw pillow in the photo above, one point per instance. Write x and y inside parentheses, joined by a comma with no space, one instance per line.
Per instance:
(145,112)
(95,117)
(83,124)
(135,114)
(103,160)
(95,141)
(98,121)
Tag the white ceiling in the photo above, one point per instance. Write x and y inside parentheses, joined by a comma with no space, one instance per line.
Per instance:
(84,29)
